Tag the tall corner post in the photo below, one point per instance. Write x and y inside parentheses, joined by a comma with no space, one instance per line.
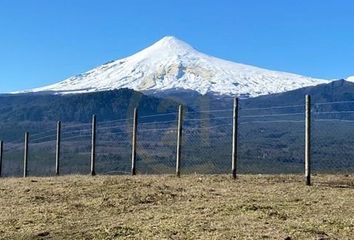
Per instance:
(93,146)
(1,156)
(135,128)
(235,137)
(179,140)
(25,157)
(57,149)
(308,140)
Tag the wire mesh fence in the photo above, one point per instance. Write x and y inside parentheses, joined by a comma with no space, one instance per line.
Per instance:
(12,162)
(41,158)
(75,148)
(113,149)
(207,141)
(333,131)
(156,144)
(270,141)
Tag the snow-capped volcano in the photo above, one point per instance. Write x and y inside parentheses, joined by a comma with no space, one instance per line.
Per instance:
(171,64)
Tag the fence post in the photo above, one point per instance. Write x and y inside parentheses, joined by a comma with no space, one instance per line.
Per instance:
(1,153)
(135,127)
(179,140)
(25,157)
(93,146)
(57,153)
(235,137)
(308,141)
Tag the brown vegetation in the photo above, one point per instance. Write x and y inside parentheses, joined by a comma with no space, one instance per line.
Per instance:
(166,207)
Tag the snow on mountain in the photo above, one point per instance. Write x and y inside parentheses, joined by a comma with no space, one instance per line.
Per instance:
(350,79)
(171,64)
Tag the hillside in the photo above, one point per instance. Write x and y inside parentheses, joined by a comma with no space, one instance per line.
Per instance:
(340,90)
(35,112)
(166,207)
(80,107)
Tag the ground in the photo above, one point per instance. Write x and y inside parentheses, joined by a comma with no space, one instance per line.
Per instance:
(167,207)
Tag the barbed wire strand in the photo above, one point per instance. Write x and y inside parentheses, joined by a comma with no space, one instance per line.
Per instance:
(49,141)
(201,119)
(75,125)
(167,143)
(12,146)
(333,120)
(113,142)
(112,134)
(158,115)
(114,121)
(76,131)
(272,115)
(114,125)
(108,128)
(335,112)
(198,128)
(276,121)
(329,103)
(75,137)
(41,138)
(276,107)
(158,129)
(151,123)
(212,111)
(43,133)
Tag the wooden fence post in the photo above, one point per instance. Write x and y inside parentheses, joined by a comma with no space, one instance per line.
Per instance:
(308,141)
(93,146)
(135,127)
(235,137)
(57,153)
(1,154)
(179,140)
(25,157)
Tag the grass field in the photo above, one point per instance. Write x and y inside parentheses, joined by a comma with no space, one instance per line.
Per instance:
(165,207)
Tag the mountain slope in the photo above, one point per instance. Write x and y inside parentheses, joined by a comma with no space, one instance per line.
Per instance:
(171,64)
(33,113)
(109,105)
(336,91)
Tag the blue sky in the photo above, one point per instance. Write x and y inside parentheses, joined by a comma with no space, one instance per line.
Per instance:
(46,41)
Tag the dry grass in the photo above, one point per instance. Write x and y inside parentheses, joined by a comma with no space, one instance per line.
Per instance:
(165,207)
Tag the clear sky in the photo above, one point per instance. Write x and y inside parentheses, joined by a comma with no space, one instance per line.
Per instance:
(46,41)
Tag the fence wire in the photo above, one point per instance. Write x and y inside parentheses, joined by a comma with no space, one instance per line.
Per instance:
(12,163)
(332,142)
(75,154)
(113,147)
(41,158)
(270,141)
(156,147)
(206,142)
